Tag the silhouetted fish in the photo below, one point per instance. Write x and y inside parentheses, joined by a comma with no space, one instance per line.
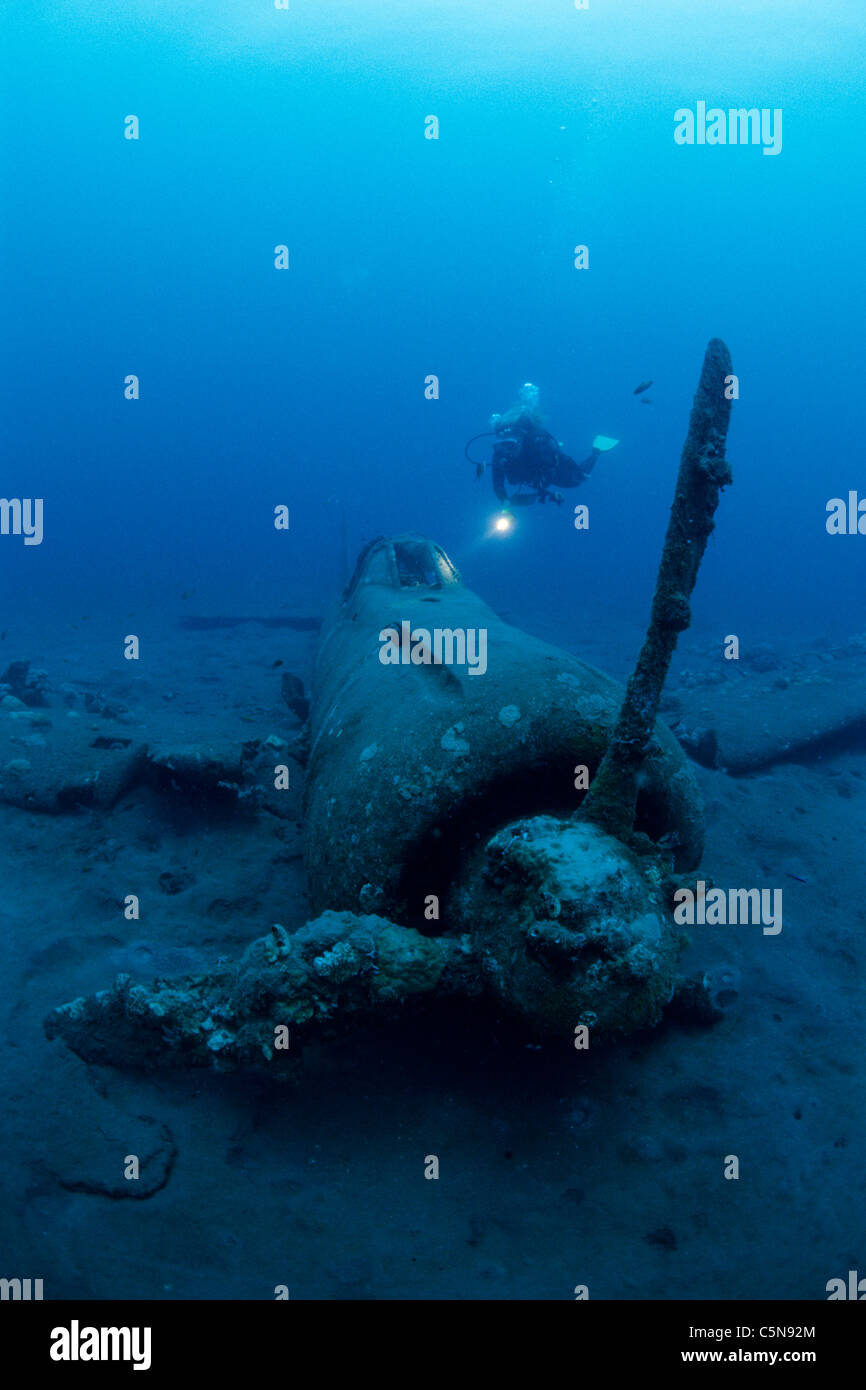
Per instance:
(644,386)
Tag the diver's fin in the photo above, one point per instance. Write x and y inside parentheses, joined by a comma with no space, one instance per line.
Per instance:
(603,442)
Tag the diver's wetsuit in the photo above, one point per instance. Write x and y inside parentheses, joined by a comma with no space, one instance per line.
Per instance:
(525,454)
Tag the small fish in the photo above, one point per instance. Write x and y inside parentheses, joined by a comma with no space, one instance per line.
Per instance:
(644,386)
(645,400)
(3,634)
(479,469)
(799,878)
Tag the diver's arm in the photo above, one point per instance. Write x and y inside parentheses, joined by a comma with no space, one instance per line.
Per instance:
(499,478)
(518,499)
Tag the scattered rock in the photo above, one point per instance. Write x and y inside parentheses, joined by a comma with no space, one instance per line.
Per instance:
(664,1237)
(694,1004)
(30,690)
(722,985)
(108,709)
(174,882)
(292,690)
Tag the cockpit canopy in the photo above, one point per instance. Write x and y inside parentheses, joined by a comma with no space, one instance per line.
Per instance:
(403,562)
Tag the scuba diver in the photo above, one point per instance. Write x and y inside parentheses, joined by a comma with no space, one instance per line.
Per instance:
(528,459)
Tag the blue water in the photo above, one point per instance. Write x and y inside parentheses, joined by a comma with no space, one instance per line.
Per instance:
(410,257)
